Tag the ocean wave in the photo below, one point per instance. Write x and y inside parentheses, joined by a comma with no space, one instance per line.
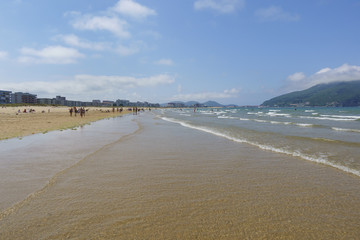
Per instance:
(304,124)
(274,114)
(227,117)
(322,158)
(342,117)
(261,121)
(346,130)
(256,113)
(284,123)
(329,118)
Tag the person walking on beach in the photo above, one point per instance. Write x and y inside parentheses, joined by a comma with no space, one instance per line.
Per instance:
(71,111)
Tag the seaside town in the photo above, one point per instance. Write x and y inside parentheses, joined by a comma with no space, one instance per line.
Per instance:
(8,97)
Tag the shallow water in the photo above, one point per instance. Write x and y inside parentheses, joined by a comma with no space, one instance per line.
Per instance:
(166,181)
(27,164)
(330,136)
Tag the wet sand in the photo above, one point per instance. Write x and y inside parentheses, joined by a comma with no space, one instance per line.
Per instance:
(163,181)
(44,119)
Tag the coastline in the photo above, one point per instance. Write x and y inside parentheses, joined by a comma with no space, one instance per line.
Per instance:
(197,187)
(47,118)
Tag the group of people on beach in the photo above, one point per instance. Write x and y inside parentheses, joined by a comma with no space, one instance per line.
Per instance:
(74,110)
(135,110)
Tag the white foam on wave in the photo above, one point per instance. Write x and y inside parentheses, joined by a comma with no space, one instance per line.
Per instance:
(304,124)
(342,117)
(329,118)
(274,114)
(309,110)
(261,121)
(226,117)
(276,122)
(284,123)
(346,130)
(256,113)
(318,159)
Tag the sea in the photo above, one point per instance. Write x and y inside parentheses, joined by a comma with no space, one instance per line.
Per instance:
(329,136)
(207,173)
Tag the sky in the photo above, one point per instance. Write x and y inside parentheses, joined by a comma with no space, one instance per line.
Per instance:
(231,51)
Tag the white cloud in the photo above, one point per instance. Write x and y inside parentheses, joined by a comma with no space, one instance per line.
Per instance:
(3,55)
(94,23)
(222,6)
(296,77)
(81,86)
(207,95)
(133,9)
(275,13)
(345,72)
(75,41)
(123,81)
(50,55)
(324,70)
(164,61)
(127,50)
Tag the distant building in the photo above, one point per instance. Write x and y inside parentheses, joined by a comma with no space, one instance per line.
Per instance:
(108,103)
(176,104)
(5,97)
(59,100)
(122,103)
(96,103)
(20,97)
(47,101)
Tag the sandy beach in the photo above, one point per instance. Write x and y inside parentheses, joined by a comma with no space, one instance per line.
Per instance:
(160,180)
(15,123)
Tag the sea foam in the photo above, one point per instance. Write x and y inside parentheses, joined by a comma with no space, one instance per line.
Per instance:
(318,159)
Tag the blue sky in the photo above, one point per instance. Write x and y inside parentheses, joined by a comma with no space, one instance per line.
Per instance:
(231,51)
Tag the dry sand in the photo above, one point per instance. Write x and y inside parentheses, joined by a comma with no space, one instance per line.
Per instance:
(47,118)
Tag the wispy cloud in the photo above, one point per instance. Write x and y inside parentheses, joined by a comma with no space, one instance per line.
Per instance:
(222,6)
(345,72)
(127,50)
(133,9)
(164,61)
(75,41)
(112,20)
(3,55)
(91,85)
(95,23)
(275,13)
(207,95)
(50,55)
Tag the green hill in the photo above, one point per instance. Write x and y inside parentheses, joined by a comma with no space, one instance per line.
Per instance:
(340,94)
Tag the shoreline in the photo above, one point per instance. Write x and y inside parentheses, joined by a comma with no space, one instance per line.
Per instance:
(199,186)
(15,124)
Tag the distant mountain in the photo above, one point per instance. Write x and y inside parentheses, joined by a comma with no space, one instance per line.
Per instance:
(339,94)
(192,103)
(212,104)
